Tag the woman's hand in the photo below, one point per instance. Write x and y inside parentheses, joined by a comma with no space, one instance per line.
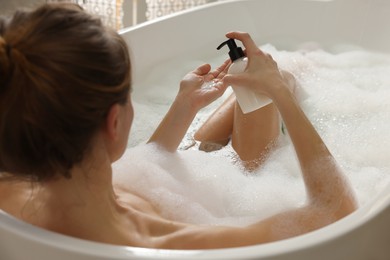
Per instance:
(201,87)
(191,97)
(330,196)
(262,74)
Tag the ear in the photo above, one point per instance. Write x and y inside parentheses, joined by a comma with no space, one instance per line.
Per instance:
(112,122)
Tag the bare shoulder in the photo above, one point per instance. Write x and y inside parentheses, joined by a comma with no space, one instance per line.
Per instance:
(13,194)
(131,200)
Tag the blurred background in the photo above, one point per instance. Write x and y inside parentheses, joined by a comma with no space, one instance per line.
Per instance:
(115,13)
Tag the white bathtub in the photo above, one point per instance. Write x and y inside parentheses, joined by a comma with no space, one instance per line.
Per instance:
(364,234)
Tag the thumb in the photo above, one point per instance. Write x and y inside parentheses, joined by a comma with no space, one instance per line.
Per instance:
(202,70)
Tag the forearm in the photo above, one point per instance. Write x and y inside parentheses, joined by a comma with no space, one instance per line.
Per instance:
(174,126)
(323,178)
(308,144)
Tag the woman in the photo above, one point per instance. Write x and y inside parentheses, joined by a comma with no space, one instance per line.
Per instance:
(65,118)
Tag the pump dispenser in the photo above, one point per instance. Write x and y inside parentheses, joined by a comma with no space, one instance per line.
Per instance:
(247,99)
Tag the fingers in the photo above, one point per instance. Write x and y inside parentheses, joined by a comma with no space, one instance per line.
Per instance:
(247,41)
(204,70)
(221,70)
(252,51)
(234,79)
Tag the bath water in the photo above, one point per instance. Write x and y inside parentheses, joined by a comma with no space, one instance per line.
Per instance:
(346,97)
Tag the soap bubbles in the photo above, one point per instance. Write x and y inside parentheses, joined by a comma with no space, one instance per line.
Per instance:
(346,98)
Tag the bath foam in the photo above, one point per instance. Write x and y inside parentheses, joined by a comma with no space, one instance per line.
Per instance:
(347,101)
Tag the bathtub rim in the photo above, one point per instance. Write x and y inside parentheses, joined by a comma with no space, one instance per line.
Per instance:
(140,69)
(62,242)
(363,215)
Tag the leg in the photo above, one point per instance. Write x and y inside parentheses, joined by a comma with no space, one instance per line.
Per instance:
(216,131)
(251,133)
(254,133)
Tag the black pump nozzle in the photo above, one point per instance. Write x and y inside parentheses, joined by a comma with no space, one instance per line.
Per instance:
(235,52)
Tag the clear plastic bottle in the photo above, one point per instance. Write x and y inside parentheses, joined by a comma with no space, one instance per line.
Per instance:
(247,99)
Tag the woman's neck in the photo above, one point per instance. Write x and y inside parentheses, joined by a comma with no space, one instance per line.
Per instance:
(82,204)
(89,183)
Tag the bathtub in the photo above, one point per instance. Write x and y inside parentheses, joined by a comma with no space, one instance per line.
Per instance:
(365,234)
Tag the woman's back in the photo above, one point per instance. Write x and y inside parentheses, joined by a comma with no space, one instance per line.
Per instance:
(85,216)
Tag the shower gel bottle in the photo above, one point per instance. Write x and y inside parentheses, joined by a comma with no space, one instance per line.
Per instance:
(246,98)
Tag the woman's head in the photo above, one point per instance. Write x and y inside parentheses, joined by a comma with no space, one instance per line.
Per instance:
(60,72)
